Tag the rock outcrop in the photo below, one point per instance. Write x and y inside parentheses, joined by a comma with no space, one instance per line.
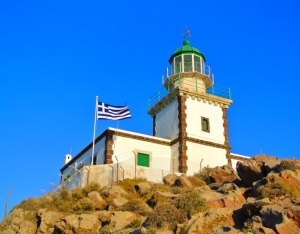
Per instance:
(224,174)
(263,198)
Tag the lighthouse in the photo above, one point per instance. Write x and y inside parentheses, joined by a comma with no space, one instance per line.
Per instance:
(190,130)
(191,111)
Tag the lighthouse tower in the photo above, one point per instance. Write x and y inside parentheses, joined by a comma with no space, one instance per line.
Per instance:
(191,111)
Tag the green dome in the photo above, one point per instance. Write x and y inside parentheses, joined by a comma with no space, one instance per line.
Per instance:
(186,49)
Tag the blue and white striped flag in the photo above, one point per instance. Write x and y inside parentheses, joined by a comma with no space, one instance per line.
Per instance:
(106,111)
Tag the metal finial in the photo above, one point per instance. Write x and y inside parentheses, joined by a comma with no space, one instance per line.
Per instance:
(186,34)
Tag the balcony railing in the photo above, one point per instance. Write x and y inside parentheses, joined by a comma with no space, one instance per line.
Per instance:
(216,90)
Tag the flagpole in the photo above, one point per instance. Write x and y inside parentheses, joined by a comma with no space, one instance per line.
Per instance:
(95,123)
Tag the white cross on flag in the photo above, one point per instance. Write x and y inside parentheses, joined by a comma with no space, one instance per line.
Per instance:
(106,111)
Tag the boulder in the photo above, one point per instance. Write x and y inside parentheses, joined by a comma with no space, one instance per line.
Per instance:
(159,197)
(255,225)
(273,218)
(250,171)
(202,188)
(104,217)
(230,197)
(113,192)
(266,230)
(253,208)
(224,174)
(210,194)
(47,220)
(8,231)
(14,219)
(117,202)
(27,227)
(228,187)
(294,214)
(207,221)
(270,163)
(83,223)
(183,181)
(119,219)
(170,179)
(96,199)
(253,222)
(143,188)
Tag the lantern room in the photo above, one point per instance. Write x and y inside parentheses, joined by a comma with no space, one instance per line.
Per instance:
(187,59)
(187,69)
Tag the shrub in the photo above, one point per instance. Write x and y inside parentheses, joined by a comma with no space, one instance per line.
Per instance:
(128,184)
(135,223)
(161,188)
(151,231)
(289,164)
(137,206)
(165,215)
(78,193)
(29,205)
(203,174)
(63,201)
(93,186)
(64,194)
(175,190)
(84,204)
(191,202)
(277,189)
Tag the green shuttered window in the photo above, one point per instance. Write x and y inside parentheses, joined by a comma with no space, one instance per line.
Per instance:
(143,160)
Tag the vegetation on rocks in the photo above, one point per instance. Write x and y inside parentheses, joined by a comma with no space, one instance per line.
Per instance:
(191,202)
(277,189)
(214,200)
(166,215)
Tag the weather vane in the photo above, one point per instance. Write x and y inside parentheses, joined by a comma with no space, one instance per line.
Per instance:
(186,32)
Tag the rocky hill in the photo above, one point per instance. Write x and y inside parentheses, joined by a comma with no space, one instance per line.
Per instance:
(262,197)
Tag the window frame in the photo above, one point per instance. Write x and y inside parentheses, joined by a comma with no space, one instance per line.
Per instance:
(205,129)
(137,152)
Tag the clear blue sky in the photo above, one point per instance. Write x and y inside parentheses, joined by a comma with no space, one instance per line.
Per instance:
(56,56)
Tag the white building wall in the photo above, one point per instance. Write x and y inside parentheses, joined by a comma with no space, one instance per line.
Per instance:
(175,154)
(197,109)
(167,121)
(160,155)
(211,156)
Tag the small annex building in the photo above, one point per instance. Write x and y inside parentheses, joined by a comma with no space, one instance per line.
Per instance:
(190,131)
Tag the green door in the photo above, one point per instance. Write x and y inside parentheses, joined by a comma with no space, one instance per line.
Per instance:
(143,160)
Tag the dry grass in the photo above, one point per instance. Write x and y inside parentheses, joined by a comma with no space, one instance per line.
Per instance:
(128,184)
(166,215)
(289,164)
(191,202)
(277,189)
(196,181)
(137,206)
(203,174)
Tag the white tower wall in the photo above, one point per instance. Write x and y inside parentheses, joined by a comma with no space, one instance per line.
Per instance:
(167,121)
(210,156)
(197,109)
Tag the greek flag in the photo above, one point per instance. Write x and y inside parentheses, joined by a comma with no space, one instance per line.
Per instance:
(106,111)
